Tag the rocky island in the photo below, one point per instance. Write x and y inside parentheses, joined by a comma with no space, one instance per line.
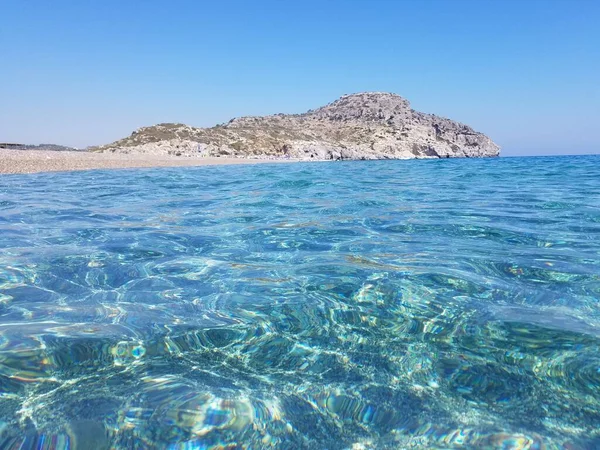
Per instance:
(368,125)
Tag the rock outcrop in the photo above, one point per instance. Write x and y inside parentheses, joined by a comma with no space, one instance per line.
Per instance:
(358,126)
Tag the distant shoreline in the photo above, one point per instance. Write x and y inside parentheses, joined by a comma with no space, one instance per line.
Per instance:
(38,161)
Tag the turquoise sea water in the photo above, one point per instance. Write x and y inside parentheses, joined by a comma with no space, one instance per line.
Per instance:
(354,305)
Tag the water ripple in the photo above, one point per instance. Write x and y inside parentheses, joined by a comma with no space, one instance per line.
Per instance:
(361,305)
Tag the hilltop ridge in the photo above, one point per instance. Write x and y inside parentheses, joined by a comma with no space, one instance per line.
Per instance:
(369,125)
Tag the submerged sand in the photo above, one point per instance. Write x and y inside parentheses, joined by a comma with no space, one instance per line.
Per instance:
(32,161)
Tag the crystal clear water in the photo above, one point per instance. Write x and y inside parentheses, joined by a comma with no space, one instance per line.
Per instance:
(358,305)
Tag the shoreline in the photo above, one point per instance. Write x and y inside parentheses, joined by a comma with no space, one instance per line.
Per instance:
(40,161)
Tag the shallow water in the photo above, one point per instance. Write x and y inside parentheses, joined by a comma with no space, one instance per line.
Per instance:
(392,304)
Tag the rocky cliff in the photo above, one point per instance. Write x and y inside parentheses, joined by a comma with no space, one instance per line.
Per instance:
(357,126)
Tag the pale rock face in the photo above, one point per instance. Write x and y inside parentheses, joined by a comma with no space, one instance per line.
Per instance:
(358,126)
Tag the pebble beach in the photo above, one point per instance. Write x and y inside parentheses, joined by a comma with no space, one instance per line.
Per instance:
(33,161)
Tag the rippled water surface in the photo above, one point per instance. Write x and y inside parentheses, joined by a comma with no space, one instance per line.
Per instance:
(359,305)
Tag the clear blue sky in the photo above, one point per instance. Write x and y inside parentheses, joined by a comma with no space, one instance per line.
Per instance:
(87,72)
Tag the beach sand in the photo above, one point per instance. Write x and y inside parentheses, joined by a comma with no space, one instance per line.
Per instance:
(32,161)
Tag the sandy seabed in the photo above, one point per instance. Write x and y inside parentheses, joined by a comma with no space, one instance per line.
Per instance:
(32,161)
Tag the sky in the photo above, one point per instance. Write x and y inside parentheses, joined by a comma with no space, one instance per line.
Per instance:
(86,72)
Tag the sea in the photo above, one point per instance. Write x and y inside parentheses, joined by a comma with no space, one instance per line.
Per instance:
(336,305)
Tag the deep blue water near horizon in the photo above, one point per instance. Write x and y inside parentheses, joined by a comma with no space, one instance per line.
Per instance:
(354,305)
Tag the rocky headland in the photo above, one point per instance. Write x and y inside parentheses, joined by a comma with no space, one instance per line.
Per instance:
(358,126)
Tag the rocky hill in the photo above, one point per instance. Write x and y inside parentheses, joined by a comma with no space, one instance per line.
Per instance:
(357,126)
